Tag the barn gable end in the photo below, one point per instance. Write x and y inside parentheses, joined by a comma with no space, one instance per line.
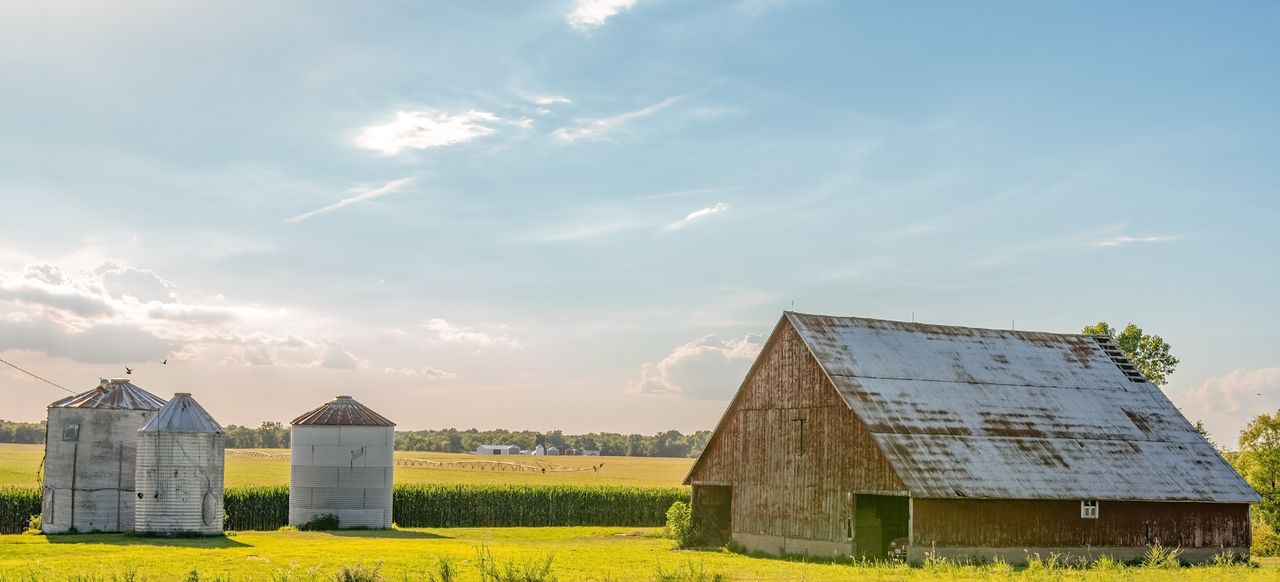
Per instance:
(792,451)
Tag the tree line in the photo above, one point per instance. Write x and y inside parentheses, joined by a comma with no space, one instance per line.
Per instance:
(275,435)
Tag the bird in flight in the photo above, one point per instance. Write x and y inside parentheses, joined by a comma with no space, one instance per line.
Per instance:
(128,370)
(166,361)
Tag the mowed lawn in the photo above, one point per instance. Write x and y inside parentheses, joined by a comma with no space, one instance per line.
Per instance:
(579,553)
(20,465)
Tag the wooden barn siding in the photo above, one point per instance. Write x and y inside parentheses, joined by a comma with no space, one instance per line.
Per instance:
(1008,523)
(778,489)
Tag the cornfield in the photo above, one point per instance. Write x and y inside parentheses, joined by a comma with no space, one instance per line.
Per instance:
(17,505)
(256,508)
(267,508)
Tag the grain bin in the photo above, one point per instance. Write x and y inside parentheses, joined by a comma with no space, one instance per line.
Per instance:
(89,455)
(180,470)
(341,464)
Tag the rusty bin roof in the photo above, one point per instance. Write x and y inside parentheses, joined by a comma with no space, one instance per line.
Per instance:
(115,393)
(980,413)
(343,410)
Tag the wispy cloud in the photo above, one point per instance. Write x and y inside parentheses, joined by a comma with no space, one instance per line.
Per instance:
(446,332)
(596,128)
(698,214)
(587,14)
(706,368)
(426,372)
(383,190)
(589,231)
(551,100)
(1122,240)
(426,129)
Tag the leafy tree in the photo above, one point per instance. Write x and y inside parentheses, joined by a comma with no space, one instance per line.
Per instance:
(1259,462)
(1150,353)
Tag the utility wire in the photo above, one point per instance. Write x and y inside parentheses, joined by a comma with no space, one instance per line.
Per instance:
(49,382)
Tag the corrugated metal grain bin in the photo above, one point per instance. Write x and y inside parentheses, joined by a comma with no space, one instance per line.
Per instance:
(180,470)
(341,464)
(89,457)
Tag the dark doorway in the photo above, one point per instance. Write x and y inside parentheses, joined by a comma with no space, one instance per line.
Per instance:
(713,513)
(877,521)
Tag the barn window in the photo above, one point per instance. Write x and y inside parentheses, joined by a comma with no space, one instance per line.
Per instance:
(1089,509)
(71,432)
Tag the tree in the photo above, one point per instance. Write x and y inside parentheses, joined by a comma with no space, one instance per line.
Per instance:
(1259,463)
(1150,353)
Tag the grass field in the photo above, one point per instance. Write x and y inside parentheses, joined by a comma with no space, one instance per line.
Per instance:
(20,465)
(578,554)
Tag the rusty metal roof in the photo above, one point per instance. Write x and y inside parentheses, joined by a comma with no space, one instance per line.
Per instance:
(116,393)
(182,414)
(983,413)
(342,411)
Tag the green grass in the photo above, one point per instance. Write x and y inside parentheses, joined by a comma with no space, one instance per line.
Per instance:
(20,466)
(580,553)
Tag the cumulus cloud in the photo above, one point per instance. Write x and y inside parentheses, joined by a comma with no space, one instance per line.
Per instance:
(424,372)
(698,214)
(365,196)
(588,14)
(1123,240)
(1225,403)
(706,368)
(333,355)
(119,314)
(425,129)
(597,128)
(446,332)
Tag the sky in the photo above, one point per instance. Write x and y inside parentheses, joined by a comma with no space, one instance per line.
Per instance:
(587,215)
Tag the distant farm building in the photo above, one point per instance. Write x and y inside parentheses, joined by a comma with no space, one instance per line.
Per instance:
(180,470)
(553,451)
(591,452)
(341,462)
(89,457)
(497,450)
(853,436)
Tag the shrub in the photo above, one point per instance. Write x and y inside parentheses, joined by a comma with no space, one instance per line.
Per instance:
(689,572)
(680,525)
(491,570)
(445,571)
(1265,540)
(359,573)
(1158,556)
(34,525)
(325,522)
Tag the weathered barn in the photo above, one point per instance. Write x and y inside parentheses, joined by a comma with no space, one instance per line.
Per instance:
(341,463)
(89,457)
(850,433)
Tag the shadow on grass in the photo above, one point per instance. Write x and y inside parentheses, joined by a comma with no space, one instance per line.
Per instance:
(390,534)
(129,539)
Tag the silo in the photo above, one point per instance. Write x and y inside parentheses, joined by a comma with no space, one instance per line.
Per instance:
(180,470)
(341,464)
(89,454)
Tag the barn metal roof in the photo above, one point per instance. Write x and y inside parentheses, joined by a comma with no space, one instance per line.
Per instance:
(116,393)
(182,414)
(342,411)
(980,413)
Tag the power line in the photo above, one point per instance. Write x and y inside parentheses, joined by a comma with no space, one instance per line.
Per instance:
(49,382)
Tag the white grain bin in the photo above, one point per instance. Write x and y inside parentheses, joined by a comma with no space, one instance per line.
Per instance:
(341,464)
(89,454)
(180,470)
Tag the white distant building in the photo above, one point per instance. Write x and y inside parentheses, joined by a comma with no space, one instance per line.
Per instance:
(539,450)
(553,451)
(591,452)
(497,450)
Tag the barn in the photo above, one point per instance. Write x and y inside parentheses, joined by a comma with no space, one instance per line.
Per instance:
(849,434)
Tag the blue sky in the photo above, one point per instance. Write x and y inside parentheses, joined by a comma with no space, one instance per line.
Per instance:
(586,215)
